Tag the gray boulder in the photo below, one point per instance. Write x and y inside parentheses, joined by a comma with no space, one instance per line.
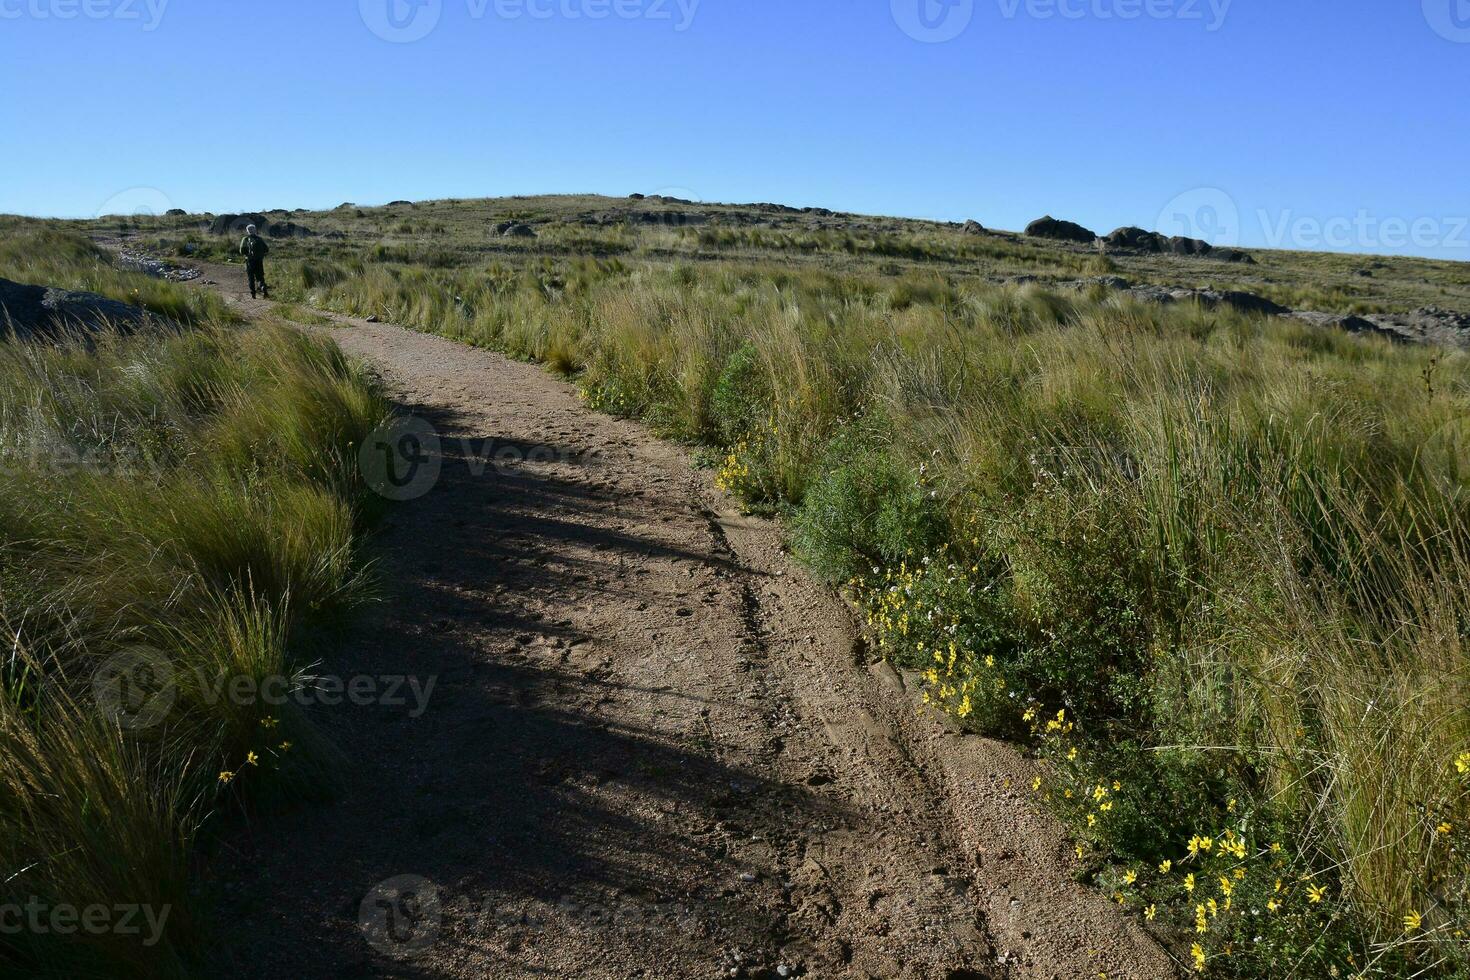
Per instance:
(29,312)
(1133,237)
(289,229)
(1426,325)
(515,229)
(1352,324)
(235,224)
(1058,230)
(676,219)
(1180,245)
(1210,299)
(1245,302)
(973,227)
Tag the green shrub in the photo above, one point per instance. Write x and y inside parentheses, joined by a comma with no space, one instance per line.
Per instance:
(867,510)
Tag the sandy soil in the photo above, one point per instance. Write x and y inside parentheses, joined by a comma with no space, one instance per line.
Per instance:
(654,747)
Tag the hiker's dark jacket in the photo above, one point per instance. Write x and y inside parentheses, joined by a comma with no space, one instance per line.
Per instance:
(254,248)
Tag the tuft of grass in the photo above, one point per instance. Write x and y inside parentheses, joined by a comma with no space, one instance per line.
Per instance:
(178,510)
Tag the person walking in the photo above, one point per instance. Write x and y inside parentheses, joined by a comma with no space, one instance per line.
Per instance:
(254,248)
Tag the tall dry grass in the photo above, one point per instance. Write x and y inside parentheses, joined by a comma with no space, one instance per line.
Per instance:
(188,496)
(1232,549)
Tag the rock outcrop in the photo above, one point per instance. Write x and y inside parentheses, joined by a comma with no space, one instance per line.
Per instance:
(1058,230)
(1426,325)
(1151,242)
(30,312)
(288,229)
(235,224)
(515,229)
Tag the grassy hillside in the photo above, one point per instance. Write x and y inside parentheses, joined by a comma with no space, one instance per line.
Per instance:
(177,507)
(459,234)
(1214,567)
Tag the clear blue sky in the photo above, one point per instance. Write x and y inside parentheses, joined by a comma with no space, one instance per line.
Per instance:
(1349,115)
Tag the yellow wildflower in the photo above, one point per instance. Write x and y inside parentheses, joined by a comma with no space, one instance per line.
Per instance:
(1198,953)
(1166,867)
(227,778)
(1315,893)
(1412,922)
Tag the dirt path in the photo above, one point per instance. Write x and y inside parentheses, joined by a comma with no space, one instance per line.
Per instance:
(653,747)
